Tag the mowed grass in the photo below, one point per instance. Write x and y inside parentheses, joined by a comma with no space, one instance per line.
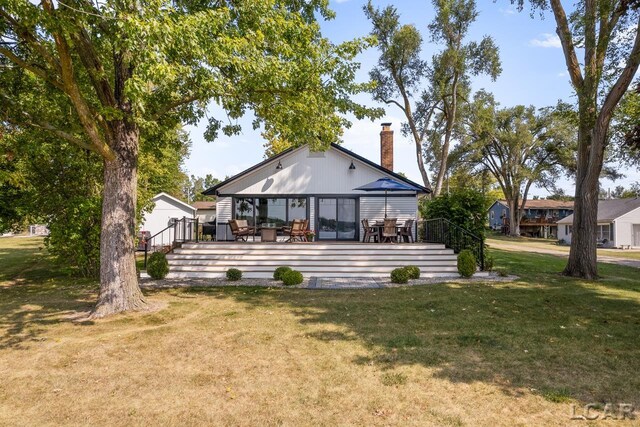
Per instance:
(507,353)
(532,242)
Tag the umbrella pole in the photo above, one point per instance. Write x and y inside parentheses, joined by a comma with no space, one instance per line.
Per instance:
(385,204)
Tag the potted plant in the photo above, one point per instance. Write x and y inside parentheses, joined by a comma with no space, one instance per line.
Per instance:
(310,235)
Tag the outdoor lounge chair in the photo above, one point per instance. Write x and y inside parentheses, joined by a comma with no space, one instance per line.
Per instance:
(369,232)
(240,229)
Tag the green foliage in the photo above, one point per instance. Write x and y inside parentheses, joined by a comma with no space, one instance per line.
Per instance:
(277,275)
(233,274)
(466,263)
(413,272)
(157,265)
(292,278)
(399,275)
(466,208)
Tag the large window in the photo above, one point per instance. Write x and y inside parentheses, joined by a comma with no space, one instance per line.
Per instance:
(603,231)
(270,210)
(244,209)
(337,219)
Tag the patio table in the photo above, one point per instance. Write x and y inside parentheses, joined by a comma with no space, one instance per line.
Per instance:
(378,226)
(269,232)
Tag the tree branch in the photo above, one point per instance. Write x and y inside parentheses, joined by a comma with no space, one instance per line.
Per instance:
(564,33)
(30,67)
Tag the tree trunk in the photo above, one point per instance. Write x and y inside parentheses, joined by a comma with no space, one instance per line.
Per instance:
(119,289)
(583,253)
(514,218)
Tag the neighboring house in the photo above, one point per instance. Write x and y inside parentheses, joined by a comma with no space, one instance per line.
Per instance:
(618,224)
(167,209)
(318,186)
(205,211)
(539,217)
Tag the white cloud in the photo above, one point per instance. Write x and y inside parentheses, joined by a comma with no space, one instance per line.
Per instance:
(563,74)
(508,11)
(546,40)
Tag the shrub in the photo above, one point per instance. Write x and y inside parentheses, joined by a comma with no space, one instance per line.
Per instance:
(466,208)
(157,266)
(502,272)
(277,275)
(489,262)
(292,277)
(413,272)
(466,263)
(399,275)
(234,274)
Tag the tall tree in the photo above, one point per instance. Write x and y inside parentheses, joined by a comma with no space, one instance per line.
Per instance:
(607,33)
(520,147)
(119,67)
(401,75)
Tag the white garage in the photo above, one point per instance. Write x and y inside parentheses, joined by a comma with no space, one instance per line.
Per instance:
(166,209)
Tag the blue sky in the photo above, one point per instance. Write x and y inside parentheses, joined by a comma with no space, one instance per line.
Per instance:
(533,73)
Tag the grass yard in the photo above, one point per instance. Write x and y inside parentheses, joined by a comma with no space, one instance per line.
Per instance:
(456,354)
(531,242)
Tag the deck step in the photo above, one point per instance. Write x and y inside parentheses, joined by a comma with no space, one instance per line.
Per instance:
(259,260)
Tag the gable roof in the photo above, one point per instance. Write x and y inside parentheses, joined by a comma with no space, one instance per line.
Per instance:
(609,210)
(178,201)
(214,190)
(204,204)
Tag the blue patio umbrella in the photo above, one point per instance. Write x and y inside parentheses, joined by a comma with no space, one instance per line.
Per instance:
(388,184)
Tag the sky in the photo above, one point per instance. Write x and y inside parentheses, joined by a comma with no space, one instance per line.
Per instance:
(534,73)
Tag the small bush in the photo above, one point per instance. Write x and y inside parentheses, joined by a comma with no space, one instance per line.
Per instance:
(489,262)
(413,272)
(292,278)
(234,274)
(399,275)
(466,263)
(502,272)
(277,275)
(157,266)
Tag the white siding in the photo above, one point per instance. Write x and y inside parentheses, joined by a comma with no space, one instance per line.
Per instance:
(403,208)
(307,173)
(624,228)
(223,209)
(562,235)
(165,208)
(312,213)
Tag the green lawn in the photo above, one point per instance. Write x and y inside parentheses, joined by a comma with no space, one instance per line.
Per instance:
(508,353)
(530,242)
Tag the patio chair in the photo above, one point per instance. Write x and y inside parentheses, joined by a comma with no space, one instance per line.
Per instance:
(389,231)
(240,229)
(406,231)
(369,232)
(297,231)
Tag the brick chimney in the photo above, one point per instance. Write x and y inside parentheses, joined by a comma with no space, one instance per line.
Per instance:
(386,146)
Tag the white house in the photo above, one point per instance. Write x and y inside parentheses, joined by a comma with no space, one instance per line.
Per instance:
(618,223)
(318,186)
(166,209)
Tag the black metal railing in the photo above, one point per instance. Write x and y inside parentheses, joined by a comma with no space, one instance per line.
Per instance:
(180,231)
(453,236)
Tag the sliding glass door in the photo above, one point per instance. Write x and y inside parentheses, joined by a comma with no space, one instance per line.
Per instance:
(337,218)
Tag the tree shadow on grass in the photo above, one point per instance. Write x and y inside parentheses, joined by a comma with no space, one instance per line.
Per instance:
(560,337)
(28,307)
